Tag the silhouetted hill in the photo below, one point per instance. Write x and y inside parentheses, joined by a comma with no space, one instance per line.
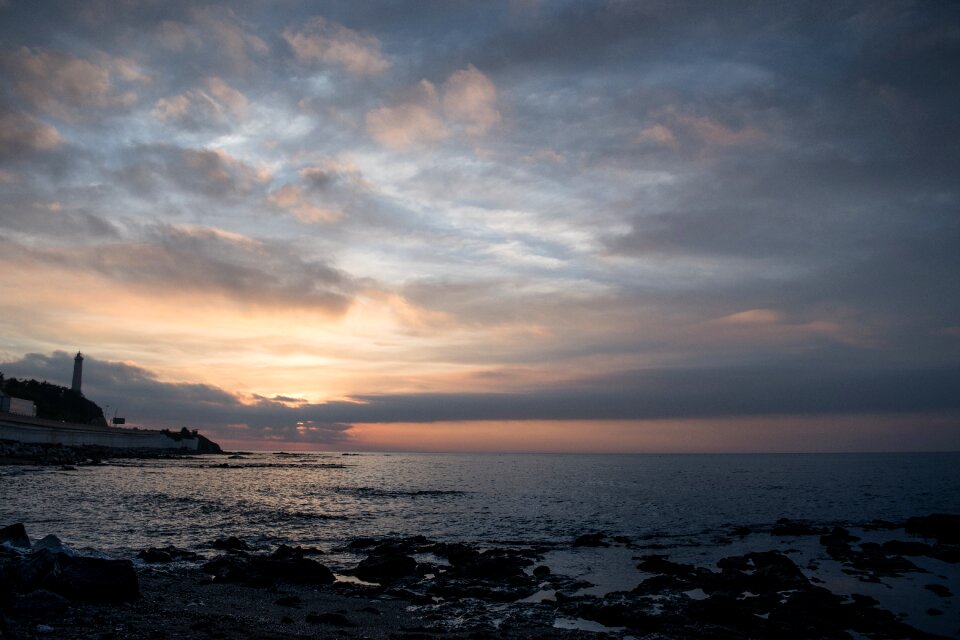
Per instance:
(53,401)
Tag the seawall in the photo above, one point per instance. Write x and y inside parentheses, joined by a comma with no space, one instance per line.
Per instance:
(40,431)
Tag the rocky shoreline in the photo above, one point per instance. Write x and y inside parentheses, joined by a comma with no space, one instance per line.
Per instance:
(22,453)
(416,588)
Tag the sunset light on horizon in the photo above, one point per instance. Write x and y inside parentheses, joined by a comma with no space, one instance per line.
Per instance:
(518,226)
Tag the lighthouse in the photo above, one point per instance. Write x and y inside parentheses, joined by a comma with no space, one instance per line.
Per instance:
(77,372)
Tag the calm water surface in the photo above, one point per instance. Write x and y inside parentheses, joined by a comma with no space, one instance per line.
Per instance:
(324,499)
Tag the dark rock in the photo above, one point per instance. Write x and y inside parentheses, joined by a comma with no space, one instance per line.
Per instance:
(166,554)
(495,564)
(742,532)
(284,552)
(591,540)
(873,559)
(787,527)
(939,589)
(950,555)
(945,528)
(542,571)
(332,619)
(15,535)
(622,540)
(228,568)
(155,556)
(95,579)
(288,601)
(363,543)
(934,612)
(37,602)
(775,571)
(837,543)
(460,555)
(233,543)
(385,568)
(298,570)
(32,570)
(53,544)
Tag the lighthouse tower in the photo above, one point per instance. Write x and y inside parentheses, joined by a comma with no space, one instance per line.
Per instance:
(77,372)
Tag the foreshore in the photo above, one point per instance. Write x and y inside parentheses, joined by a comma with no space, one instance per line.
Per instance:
(415,588)
(25,453)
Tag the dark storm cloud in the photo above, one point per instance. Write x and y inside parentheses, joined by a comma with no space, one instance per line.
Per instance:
(638,395)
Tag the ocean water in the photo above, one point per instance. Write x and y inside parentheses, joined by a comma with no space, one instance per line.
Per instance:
(324,499)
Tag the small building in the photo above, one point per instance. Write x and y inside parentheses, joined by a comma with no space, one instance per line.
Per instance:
(18,406)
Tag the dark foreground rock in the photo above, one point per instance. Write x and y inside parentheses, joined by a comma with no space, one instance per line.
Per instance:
(427,589)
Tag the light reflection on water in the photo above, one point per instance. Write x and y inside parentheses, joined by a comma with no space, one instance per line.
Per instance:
(326,499)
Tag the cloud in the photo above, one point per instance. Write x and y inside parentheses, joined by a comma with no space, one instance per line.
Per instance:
(411,124)
(211,172)
(230,36)
(468,100)
(217,104)
(326,42)
(64,85)
(470,97)
(144,398)
(191,260)
(22,133)
(294,199)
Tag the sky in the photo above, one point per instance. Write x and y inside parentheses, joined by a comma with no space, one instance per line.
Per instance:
(489,226)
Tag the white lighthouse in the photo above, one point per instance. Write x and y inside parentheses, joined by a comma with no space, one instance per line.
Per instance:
(77,372)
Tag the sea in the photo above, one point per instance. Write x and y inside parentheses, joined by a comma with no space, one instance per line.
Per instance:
(685,506)
(489,499)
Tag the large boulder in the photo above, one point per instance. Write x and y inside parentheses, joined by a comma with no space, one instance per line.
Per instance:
(384,568)
(94,579)
(944,527)
(298,570)
(15,535)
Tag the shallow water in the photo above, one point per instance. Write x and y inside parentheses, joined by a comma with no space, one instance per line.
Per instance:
(324,499)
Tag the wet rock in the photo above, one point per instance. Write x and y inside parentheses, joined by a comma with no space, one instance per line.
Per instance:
(383,568)
(169,553)
(53,544)
(94,579)
(787,527)
(619,611)
(591,540)
(232,543)
(459,555)
(495,564)
(939,589)
(332,619)
(875,560)
(229,568)
(363,543)
(33,569)
(155,556)
(945,528)
(741,532)
(838,543)
(934,612)
(37,602)
(542,571)
(285,552)
(15,535)
(298,570)
(775,571)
